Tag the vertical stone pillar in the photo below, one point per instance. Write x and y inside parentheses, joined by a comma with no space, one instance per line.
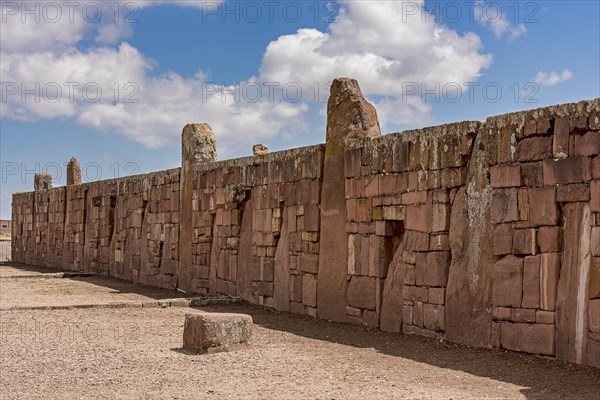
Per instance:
(42,181)
(198,146)
(73,172)
(349,116)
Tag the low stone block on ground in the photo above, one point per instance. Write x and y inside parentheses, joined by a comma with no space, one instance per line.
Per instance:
(217,332)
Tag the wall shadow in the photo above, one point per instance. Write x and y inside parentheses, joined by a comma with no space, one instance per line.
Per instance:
(542,378)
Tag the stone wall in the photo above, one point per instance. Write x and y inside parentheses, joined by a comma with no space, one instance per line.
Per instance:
(482,233)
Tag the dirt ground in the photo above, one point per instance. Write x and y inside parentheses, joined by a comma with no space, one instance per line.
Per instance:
(135,353)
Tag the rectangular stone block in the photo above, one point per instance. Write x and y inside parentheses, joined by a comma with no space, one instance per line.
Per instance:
(549,239)
(544,317)
(309,290)
(534,149)
(545,211)
(361,292)
(573,193)
(502,176)
(560,146)
(418,218)
(595,196)
(531,174)
(594,315)
(503,239)
(568,170)
(528,338)
(415,293)
(501,313)
(504,205)
(522,315)
(525,242)
(549,270)
(432,268)
(507,282)
(213,333)
(440,220)
(309,263)
(588,144)
(433,317)
(594,279)
(531,282)
(437,295)
(394,213)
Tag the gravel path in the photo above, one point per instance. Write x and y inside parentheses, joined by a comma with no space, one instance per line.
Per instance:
(127,353)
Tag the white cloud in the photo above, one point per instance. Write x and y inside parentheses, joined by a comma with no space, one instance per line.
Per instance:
(552,78)
(383,47)
(369,42)
(492,15)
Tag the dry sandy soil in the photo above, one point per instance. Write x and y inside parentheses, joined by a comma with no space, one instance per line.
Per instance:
(135,353)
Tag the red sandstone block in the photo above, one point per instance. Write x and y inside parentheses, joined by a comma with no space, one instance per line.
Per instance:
(503,239)
(309,263)
(549,239)
(440,220)
(596,168)
(437,295)
(363,210)
(407,315)
(361,292)
(595,196)
(212,333)
(504,205)
(568,170)
(505,176)
(507,282)
(534,149)
(594,279)
(530,128)
(432,268)
(415,293)
(418,218)
(594,315)
(528,338)
(595,243)
(439,242)
(525,241)
(501,313)
(549,273)
(433,317)
(545,211)
(414,197)
(588,144)
(309,290)
(416,241)
(531,283)
(418,314)
(573,193)
(522,315)
(544,317)
(372,186)
(560,147)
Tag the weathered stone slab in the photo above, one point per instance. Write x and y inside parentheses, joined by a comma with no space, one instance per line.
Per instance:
(571,301)
(529,338)
(214,333)
(349,117)
(73,172)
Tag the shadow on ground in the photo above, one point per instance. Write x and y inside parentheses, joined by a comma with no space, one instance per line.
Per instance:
(541,378)
(117,286)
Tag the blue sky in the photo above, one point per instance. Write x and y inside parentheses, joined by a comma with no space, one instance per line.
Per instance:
(162,64)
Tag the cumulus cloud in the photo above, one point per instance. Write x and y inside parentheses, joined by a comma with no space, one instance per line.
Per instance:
(118,90)
(492,15)
(552,78)
(381,46)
